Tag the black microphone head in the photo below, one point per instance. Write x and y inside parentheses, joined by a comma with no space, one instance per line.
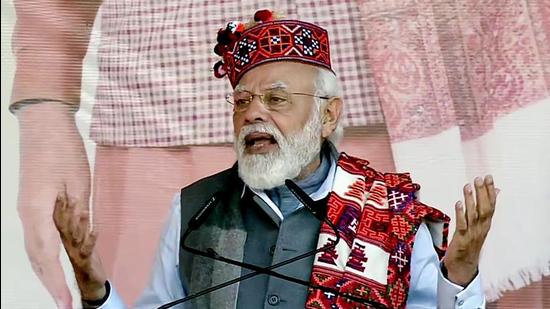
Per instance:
(304,198)
(201,215)
(311,205)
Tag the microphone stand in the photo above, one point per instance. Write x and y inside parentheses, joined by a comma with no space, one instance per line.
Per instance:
(306,200)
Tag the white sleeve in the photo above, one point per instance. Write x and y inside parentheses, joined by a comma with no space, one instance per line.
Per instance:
(114,301)
(429,288)
(164,284)
(450,295)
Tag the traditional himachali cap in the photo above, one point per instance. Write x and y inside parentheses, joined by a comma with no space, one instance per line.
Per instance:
(269,40)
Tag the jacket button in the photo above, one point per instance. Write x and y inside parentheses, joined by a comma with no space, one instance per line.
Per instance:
(273,300)
(272,250)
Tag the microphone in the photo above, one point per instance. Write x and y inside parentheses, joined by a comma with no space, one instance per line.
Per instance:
(201,215)
(307,201)
(199,218)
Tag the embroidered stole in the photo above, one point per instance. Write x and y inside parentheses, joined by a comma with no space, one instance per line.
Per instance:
(377,216)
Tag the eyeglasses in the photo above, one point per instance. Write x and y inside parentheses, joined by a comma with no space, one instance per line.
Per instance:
(274,99)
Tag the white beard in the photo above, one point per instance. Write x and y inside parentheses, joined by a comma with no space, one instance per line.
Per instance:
(295,152)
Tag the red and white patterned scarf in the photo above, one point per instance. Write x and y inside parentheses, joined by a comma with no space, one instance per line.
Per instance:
(377,215)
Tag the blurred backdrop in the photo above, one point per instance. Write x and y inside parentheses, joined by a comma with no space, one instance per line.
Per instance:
(444,89)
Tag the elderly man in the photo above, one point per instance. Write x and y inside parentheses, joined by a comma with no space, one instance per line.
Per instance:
(356,237)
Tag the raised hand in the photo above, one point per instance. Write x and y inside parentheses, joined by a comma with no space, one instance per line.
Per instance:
(72,220)
(473,221)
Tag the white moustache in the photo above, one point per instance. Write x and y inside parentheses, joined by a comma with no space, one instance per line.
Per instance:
(260,128)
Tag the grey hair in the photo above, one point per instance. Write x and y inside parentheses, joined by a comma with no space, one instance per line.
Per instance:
(326,84)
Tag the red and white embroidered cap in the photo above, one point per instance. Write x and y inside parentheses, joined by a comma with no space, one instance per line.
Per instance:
(269,40)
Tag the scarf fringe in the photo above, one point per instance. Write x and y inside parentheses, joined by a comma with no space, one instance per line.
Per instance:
(521,278)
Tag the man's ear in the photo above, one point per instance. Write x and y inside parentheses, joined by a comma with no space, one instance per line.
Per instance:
(330,116)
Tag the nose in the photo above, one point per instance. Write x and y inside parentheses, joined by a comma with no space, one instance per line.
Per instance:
(256,111)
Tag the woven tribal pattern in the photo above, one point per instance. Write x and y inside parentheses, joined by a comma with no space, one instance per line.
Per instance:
(377,215)
(275,41)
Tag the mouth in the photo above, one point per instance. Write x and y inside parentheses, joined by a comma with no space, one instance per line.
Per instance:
(259,142)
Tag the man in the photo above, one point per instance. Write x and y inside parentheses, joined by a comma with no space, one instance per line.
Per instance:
(377,244)
(155,106)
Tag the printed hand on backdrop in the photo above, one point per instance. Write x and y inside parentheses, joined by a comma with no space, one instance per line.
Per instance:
(52,156)
(49,42)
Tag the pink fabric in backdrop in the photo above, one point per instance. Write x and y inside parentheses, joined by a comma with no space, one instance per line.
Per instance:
(460,82)
(447,63)
(133,192)
(156,86)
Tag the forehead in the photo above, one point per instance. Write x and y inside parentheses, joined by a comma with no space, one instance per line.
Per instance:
(279,84)
(281,74)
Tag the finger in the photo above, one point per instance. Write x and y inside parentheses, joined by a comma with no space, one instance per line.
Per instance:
(72,210)
(75,231)
(88,244)
(461,223)
(57,212)
(67,218)
(62,200)
(83,226)
(492,194)
(491,190)
(65,198)
(61,216)
(79,222)
(471,213)
(78,233)
(483,204)
(85,219)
